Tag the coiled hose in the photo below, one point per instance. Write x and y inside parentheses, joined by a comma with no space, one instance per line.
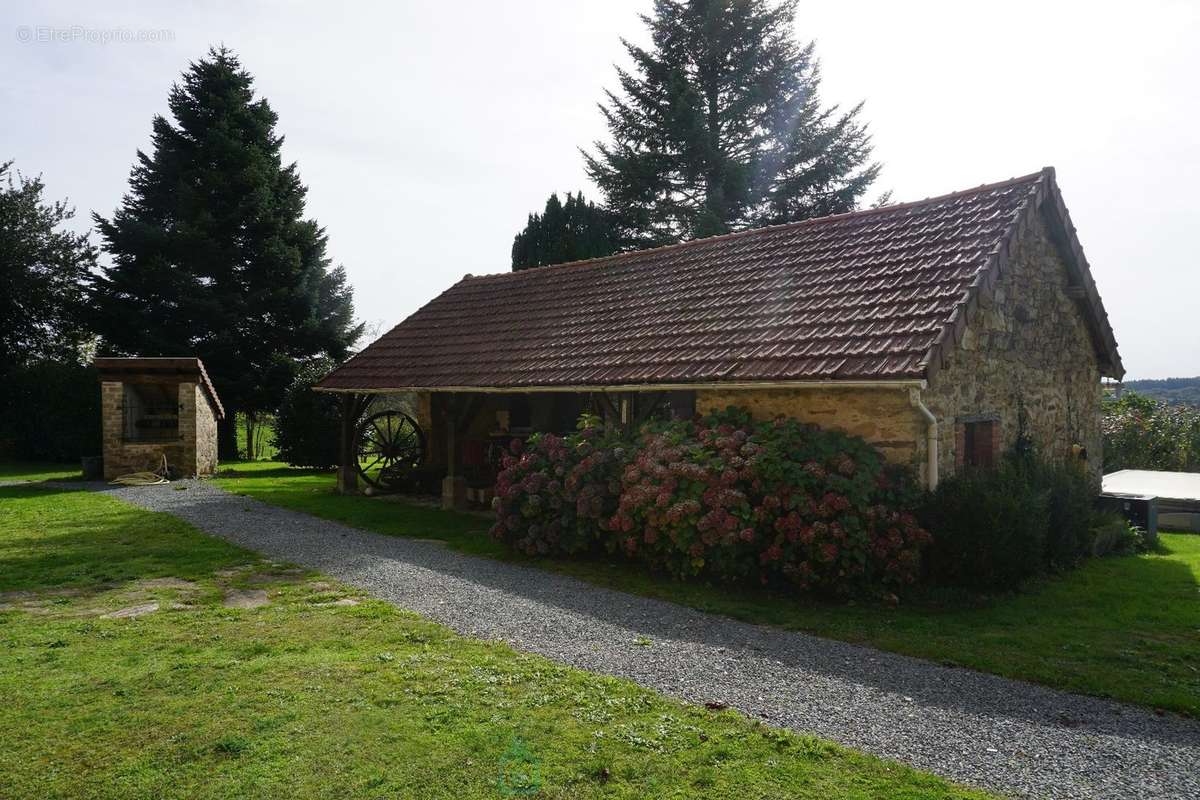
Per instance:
(143,478)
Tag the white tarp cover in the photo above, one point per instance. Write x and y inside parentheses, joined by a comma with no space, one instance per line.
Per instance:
(1167,485)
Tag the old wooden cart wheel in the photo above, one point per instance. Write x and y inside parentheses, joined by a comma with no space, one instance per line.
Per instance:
(390,445)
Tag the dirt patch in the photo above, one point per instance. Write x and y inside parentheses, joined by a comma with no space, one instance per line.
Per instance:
(131,612)
(344,601)
(45,596)
(283,576)
(29,607)
(166,583)
(246,598)
(231,571)
(44,602)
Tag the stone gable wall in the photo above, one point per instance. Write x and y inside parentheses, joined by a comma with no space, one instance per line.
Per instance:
(1026,346)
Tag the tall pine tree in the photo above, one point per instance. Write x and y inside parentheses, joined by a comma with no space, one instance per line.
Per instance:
(563,232)
(720,127)
(212,254)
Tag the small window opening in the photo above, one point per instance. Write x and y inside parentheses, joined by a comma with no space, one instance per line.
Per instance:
(979,443)
(151,412)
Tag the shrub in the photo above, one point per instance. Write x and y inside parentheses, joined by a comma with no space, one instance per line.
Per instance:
(1070,496)
(989,529)
(995,529)
(723,498)
(1113,535)
(307,427)
(1143,433)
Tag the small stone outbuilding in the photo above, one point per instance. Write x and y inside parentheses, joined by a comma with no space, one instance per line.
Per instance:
(156,407)
(941,331)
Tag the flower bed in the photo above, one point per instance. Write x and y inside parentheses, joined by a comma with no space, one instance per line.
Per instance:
(779,503)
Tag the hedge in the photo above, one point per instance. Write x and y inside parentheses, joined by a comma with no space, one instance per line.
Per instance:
(50,411)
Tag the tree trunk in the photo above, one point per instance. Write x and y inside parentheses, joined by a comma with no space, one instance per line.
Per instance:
(251,430)
(227,436)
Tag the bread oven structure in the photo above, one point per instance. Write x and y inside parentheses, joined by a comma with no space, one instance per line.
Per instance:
(156,408)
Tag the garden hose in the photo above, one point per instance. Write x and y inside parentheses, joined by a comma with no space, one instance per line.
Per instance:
(139,479)
(143,478)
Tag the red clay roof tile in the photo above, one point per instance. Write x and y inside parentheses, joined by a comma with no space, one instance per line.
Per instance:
(864,295)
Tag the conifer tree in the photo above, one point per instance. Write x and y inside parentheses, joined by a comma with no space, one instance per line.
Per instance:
(720,127)
(563,232)
(211,253)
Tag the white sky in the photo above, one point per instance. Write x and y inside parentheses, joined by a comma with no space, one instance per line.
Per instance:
(426,132)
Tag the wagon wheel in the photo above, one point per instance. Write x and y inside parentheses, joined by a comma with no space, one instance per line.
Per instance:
(390,444)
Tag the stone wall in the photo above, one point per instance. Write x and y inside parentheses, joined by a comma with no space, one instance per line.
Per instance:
(193,453)
(190,402)
(882,416)
(1026,353)
(206,431)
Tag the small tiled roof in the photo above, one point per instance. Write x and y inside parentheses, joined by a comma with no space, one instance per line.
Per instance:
(181,367)
(869,295)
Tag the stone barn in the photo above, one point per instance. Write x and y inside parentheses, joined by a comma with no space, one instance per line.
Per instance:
(939,330)
(156,407)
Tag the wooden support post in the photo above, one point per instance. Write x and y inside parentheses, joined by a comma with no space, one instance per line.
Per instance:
(353,407)
(347,482)
(454,486)
(612,417)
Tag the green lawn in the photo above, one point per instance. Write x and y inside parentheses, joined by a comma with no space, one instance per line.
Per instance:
(38,471)
(1127,627)
(305,697)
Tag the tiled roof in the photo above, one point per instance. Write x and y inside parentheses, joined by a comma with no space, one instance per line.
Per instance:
(176,367)
(869,295)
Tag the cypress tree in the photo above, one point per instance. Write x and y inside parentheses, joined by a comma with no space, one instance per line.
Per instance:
(211,253)
(564,232)
(719,127)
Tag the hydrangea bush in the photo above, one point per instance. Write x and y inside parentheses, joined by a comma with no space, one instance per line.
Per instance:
(779,503)
(554,493)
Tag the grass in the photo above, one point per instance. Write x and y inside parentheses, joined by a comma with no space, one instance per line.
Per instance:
(38,471)
(1126,628)
(303,698)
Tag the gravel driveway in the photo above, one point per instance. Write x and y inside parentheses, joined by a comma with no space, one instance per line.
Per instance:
(1005,735)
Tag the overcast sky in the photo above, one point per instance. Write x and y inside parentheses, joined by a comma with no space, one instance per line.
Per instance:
(427,131)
